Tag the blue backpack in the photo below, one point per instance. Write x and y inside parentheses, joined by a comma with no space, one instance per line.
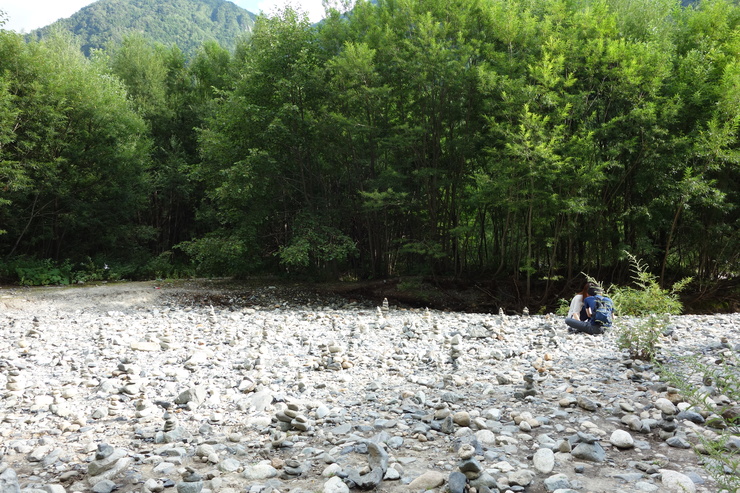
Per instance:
(603,308)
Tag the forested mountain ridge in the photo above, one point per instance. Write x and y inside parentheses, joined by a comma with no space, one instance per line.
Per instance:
(186,23)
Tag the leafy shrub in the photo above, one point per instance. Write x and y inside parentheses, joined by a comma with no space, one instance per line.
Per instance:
(410,285)
(563,307)
(165,266)
(46,272)
(27,271)
(43,273)
(641,340)
(314,243)
(646,297)
(91,271)
(219,255)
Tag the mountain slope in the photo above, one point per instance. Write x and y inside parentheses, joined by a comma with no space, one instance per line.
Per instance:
(186,23)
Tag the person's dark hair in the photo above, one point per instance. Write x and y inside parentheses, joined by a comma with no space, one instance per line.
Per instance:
(594,290)
(584,291)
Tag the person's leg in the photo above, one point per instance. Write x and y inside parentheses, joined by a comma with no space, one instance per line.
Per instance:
(594,329)
(577,325)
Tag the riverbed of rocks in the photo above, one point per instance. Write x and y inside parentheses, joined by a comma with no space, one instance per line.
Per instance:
(149,388)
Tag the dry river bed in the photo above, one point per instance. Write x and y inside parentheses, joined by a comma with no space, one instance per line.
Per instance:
(152,387)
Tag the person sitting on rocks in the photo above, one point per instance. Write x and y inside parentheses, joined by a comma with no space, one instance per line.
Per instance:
(600,311)
(577,309)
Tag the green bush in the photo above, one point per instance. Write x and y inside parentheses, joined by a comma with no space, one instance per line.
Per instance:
(91,271)
(315,244)
(563,307)
(46,272)
(646,297)
(43,273)
(217,255)
(26,271)
(641,340)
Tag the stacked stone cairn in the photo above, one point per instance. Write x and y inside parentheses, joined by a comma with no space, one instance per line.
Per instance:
(529,390)
(192,482)
(16,383)
(35,330)
(291,419)
(332,358)
(455,350)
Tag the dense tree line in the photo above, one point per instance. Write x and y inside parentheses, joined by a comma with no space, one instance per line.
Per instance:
(519,139)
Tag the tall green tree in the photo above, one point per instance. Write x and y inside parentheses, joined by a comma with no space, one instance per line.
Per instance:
(162,88)
(77,152)
(263,163)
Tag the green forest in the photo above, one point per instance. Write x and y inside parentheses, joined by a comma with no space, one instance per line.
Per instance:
(521,140)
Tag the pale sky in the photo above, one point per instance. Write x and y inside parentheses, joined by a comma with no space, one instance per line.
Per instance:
(27,15)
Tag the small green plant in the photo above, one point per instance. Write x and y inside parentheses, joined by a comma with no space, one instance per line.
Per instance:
(641,340)
(645,299)
(697,380)
(563,307)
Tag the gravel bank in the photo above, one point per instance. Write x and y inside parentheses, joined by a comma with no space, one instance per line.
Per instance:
(147,388)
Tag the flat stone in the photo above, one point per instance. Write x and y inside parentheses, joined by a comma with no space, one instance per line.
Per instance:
(229,465)
(646,487)
(54,488)
(521,477)
(621,439)
(587,404)
(258,472)
(120,466)
(592,452)
(148,346)
(457,482)
(38,453)
(692,416)
(100,466)
(427,481)
(335,485)
(104,486)
(630,477)
(189,486)
(674,481)
(544,460)
(557,482)
(342,429)
(678,442)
